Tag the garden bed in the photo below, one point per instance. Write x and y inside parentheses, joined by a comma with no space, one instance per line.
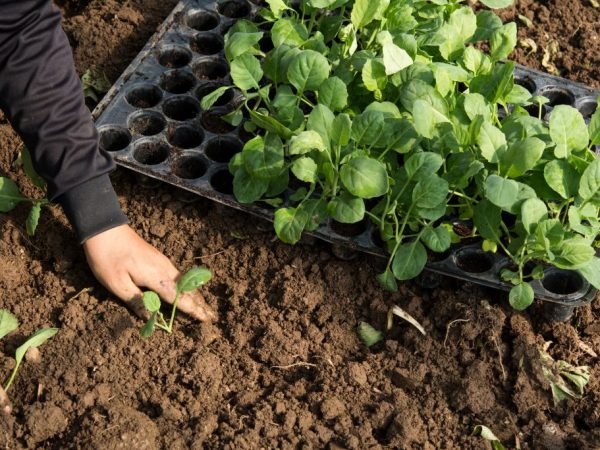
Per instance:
(283,366)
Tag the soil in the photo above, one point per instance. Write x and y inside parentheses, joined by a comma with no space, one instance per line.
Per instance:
(282,367)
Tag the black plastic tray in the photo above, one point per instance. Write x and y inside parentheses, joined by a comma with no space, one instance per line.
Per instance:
(152,123)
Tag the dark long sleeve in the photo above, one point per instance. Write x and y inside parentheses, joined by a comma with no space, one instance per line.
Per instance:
(41,95)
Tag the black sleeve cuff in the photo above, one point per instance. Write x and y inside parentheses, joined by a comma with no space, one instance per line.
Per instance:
(92,207)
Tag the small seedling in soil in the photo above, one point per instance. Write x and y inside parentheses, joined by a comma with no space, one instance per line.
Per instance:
(487,434)
(8,324)
(189,281)
(368,334)
(94,84)
(566,381)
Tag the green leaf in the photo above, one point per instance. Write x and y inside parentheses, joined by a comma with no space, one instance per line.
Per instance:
(151,301)
(308,70)
(270,124)
(492,142)
(496,4)
(589,185)
(8,322)
(209,100)
(305,142)
(422,164)
(568,130)
(321,120)
(595,128)
(148,329)
(365,11)
(340,129)
(33,218)
(521,296)
(374,76)
(368,335)
(395,58)
(426,117)
(320,4)
(562,178)
(35,340)
(476,105)
(501,192)
(459,28)
(277,62)
(489,246)
(522,157)
(573,253)
(30,171)
(482,430)
(288,32)
(266,161)
(430,192)
(487,218)
(246,72)
(503,41)
(305,169)
(388,281)
(591,271)
(9,195)
(437,239)
(365,177)
(246,188)
(495,85)
(333,94)
(533,210)
(289,224)
(487,23)
(239,43)
(346,208)
(409,261)
(277,7)
(193,278)
(367,127)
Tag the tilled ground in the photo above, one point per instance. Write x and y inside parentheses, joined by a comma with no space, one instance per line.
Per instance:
(282,367)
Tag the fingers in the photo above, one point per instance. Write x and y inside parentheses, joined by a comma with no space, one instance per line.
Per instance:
(5,406)
(131,295)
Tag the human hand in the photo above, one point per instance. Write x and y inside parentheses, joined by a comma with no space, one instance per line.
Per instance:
(123,262)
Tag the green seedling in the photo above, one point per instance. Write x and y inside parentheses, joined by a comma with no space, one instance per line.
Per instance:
(8,324)
(566,381)
(94,84)
(488,435)
(189,281)
(368,334)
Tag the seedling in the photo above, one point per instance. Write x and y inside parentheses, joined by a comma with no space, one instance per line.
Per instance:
(94,84)
(368,334)
(566,381)
(488,435)
(8,324)
(189,281)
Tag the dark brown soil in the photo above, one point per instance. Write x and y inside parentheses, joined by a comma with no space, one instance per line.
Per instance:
(282,368)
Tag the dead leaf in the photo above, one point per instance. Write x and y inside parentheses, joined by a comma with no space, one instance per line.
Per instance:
(530,44)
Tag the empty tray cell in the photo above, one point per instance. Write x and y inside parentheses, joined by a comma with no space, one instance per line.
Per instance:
(222,181)
(348,229)
(147,123)
(206,89)
(213,122)
(563,282)
(181,108)
(174,56)
(202,20)
(234,9)
(558,96)
(188,167)
(184,136)
(144,96)
(222,148)
(588,106)
(206,43)
(177,81)
(527,83)
(114,138)
(473,260)
(211,69)
(150,152)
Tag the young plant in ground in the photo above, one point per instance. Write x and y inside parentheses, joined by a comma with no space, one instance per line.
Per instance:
(8,324)
(488,435)
(566,381)
(189,281)
(388,111)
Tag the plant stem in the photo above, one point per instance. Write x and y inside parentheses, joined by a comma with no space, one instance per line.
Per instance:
(12,377)
(170,326)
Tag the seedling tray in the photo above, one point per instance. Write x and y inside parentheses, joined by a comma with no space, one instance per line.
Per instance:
(152,123)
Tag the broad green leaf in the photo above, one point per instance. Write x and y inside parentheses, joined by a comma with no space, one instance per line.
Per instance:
(426,117)
(495,85)
(30,171)
(521,296)
(148,329)
(305,169)
(239,43)
(246,72)
(573,253)
(305,142)
(568,130)
(562,178)
(503,41)
(277,7)
(333,94)
(519,96)
(591,271)
(459,28)
(367,127)
(501,192)
(476,105)
(278,185)
(320,4)
(315,211)
(341,129)
(423,164)
(346,208)
(589,185)
(533,210)
(308,70)
(524,192)
(33,218)
(430,192)
(365,177)
(266,161)
(399,135)
(151,301)
(409,261)
(209,100)
(476,61)
(368,335)
(246,188)
(288,32)
(374,76)
(487,23)
(289,224)
(270,124)
(522,157)
(193,278)
(8,322)
(35,340)
(277,62)
(365,11)
(388,281)
(395,58)
(496,4)
(489,246)
(487,218)
(492,142)
(595,128)
(9,195)
(482,430)
(437,239)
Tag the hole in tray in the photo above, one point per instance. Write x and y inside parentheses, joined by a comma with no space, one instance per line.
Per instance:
(144,96)
(177,81)
(527,83)
(206,44)
(534,110)
(588,107)
(181,108)
(206,89)
(189,167)
(184,136)
(202,20)
(222,181)
(558,96)
(474,260)
(210,70)
(174,57)
(151,153)
(147,123)
(222,149)
(213,123)
(560,281)
(234,9)
(349,229)
(113,139)
(437,257)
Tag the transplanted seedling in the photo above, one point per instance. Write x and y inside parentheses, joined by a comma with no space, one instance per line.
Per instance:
(566,381)
(94,84)
(8,324)
(488,435)
(192,279)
